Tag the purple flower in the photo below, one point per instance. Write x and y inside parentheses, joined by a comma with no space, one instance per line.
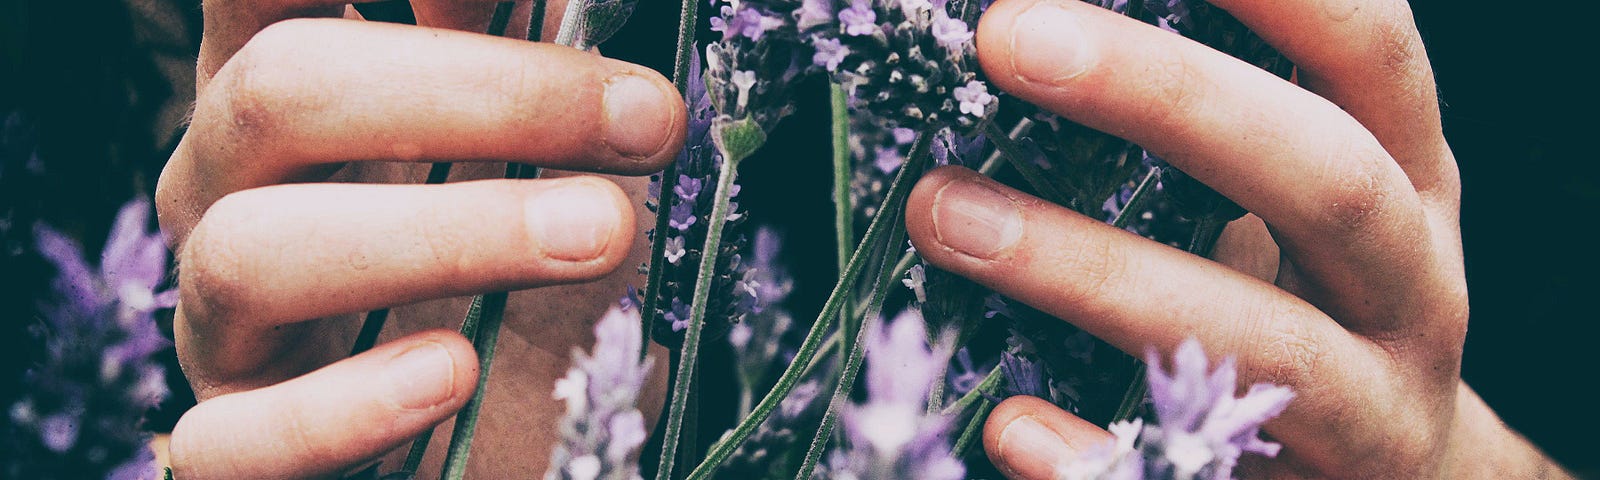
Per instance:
(602,429)
(683,216)
(813,13)
(830,52)
(952,33)
(82,402)
(688,188)
(1022,377)
(859,19)
(892,436)
(974,98)
(745,21)
(1202,429)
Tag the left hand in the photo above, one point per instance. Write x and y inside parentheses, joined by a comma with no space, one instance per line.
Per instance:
(1365,312)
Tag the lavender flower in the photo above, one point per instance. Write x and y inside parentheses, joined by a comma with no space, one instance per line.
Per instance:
(83,402)
(749,70)
(891,436)
(904,62)
(858,19)
(1202,429)
(698,164)
(829,53)
(759,342)
(1051,359)
(603,428)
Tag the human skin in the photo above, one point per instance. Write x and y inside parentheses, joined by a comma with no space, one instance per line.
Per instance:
(1346,283)
(283,238)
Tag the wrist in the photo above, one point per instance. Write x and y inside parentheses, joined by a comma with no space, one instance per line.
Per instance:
(1483,446)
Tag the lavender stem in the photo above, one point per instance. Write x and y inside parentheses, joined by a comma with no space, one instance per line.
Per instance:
(872,240)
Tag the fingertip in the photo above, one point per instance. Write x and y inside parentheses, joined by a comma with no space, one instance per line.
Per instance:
(583,225)
(1030,438)
(919,205)
(645,120)
(432,370)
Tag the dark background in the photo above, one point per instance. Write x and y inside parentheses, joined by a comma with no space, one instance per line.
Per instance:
(1513,80)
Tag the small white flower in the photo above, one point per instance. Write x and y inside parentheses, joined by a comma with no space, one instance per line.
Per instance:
(586,467)
(974,98)
(745,80)
(675,250)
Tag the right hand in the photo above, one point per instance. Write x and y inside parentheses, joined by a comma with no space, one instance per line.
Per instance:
(276,262)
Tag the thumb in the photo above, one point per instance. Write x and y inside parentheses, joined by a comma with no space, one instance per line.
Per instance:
(1028,438)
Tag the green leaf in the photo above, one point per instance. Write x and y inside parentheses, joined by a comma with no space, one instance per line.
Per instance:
(737,139)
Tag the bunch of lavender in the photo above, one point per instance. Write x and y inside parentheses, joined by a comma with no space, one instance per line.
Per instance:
(1086,165)
(759,343)
(80,413)
(1052,359)
(603,429)
(1200,429)
(750,69)
(694,196)
(892,435)
(773,450)
(911,63)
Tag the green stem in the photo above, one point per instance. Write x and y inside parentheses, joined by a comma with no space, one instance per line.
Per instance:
(669,178)
(1030,172)
(493,313)
(843,209)
(1141,196)
(969,435)
(568,33)
(852,366)
(987,385)
(697,314)
(870,241)
(501,18)
(536,22)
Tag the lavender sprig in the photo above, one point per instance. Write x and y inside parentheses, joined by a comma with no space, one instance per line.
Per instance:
(891,436)
(1200,430)
(871,241)
(910,63)
(603,429)
(83,402)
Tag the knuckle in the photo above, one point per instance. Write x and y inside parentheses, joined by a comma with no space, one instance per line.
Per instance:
(1291,355)
(1357,194)
(212,278)
(1097,270)
(256,90)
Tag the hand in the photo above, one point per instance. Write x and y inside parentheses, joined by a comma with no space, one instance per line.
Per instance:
(276,263)
(1363,308)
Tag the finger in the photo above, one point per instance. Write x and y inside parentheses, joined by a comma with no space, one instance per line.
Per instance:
(248,268)
(300,99)
(331,419)
(1367,57)
(1135,293)
(228,24)
(1338,204)
(1028,438)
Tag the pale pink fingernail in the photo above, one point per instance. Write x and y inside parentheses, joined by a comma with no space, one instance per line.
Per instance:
(422,376)
(973,218)
(1031,450)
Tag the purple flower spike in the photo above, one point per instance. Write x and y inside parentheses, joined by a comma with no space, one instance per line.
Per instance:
(1202,429)
(602,430)
(892,436)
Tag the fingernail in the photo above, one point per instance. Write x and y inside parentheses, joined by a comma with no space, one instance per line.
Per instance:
(974,218)
(1048,44)
(422,376)
(637,115)
(572,222)
(1031,450)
